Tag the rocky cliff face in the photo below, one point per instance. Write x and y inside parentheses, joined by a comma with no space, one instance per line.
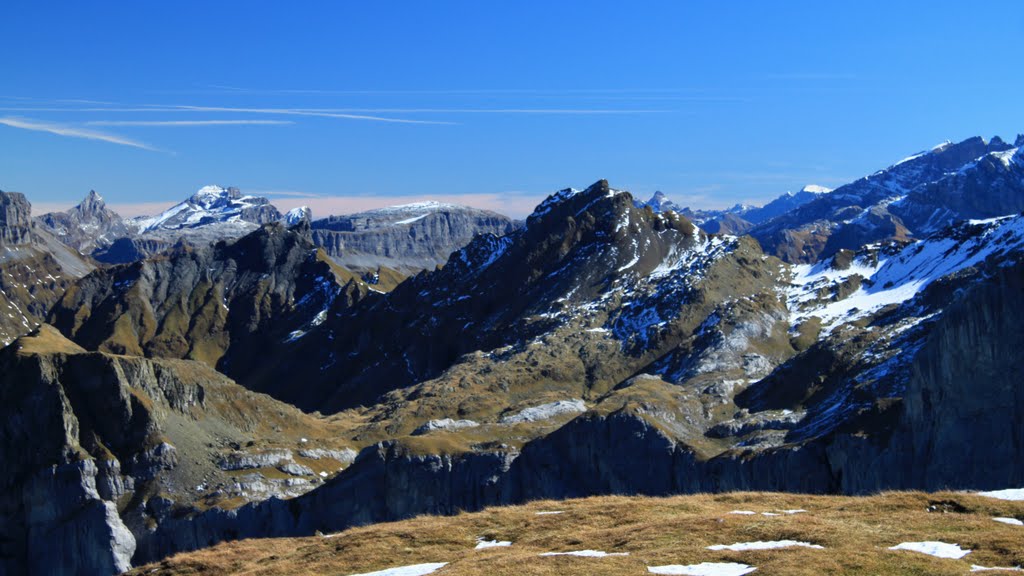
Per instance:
(15,219)
(121,444)
(407,238)
(88,227)
(35,269)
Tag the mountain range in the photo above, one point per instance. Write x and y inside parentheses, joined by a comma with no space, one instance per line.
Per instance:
(269,384)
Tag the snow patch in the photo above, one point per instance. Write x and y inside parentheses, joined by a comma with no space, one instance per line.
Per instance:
(586,553)
(412,570)
(482,544)
(764,545)
(704,569)
(546,411)
(444,424)
(937,549)
(1013,494)
(1010,521)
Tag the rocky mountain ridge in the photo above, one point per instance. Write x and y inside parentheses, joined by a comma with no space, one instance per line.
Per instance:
(914,197)
(602,347)
(407,238)
(35,268)
(88,227)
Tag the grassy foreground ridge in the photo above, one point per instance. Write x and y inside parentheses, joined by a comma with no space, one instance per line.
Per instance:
(855,533)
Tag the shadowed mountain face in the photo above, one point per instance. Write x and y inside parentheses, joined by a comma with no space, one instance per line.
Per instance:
(120,444)
(222,304)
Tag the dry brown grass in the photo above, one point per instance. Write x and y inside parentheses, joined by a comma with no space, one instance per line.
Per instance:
(855,531)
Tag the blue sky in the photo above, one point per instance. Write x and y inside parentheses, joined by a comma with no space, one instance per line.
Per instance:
(346,105)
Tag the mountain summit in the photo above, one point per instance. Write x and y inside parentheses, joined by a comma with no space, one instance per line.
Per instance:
(87,227)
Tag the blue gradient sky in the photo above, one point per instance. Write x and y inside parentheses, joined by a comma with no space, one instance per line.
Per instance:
(492,103)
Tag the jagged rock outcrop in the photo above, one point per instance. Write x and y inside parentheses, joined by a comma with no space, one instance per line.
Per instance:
(35,269)
(407,238)
(99,450)
(15,219)
(210,215)
(88,227)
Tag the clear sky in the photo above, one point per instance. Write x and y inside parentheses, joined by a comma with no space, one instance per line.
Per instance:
(346,105)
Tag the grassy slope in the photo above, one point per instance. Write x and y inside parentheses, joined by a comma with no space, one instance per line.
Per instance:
(855,531)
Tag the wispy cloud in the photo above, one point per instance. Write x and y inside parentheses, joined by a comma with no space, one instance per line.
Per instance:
(72,132)
(187,122)
(298,112)
(359,113)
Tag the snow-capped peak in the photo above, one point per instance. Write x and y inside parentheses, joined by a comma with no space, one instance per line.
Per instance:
(298,215)
(211,204)
(815,189)
(659,202)
(211,196)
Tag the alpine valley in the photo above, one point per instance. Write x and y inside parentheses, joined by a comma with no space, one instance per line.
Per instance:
(222,371)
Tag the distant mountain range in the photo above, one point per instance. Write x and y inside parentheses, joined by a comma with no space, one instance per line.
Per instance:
(408,238)
(741,217)
(276,384)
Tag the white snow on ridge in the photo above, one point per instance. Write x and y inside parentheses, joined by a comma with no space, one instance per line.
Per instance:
(704,569)
(768,545)
(1007,157)
(546,411)
(937,549)
(1010,521)
(209,204)
(976,568)
(815,189)
(412,570)
(1014,494)
(899,278)
(413,219)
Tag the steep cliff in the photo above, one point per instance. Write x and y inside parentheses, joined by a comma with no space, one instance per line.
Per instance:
(35,269)
(407,238)
(88,227)
(120,444)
